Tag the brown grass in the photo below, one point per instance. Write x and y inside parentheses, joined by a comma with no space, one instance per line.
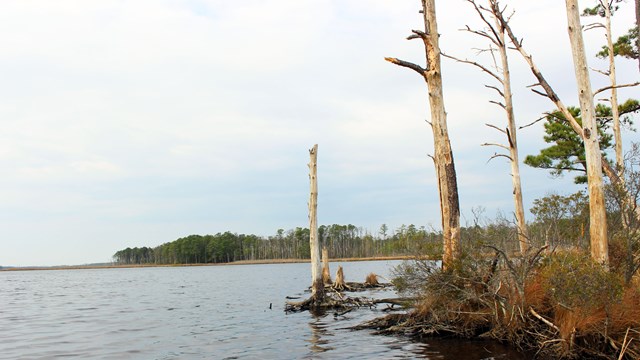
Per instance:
(371,280)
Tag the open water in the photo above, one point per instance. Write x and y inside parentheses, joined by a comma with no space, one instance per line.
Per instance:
(204,312)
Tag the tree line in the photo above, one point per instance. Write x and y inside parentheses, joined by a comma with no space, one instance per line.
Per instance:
(342,241)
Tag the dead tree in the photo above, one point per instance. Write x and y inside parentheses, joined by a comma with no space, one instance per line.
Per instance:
(495,33)
(588,132)
(548,92)
(638,26)
(317,285)
(326,273)
(597,209)
(443,155)
(605,8)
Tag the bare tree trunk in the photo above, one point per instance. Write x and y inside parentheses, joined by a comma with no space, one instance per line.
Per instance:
(523,236)
(317,286)
(608,170)
(638,26)
(597,213)
(614,91)
(617,134)
(326,273)
(445,166)
(443,155)
(496,34)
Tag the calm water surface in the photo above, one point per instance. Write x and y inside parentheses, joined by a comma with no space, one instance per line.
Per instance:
(208,312)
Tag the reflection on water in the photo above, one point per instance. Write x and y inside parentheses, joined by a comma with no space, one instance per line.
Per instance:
(319,334)
(211,312)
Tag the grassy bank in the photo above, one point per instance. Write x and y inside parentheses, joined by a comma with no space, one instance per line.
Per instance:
(554,304)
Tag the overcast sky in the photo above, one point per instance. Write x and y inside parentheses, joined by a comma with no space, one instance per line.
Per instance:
(133,123)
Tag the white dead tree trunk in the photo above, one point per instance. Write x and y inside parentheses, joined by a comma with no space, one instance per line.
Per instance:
(604,9)
(317,285)
(617,135)
(597,210)
(495,33)
(587,134)
(443,155)
(607,6)
(549,93)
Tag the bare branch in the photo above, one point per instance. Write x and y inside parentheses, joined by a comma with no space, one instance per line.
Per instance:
(409,65)
(539,317)
(540,93)
(481,10)
(593,26)
(496,89)
(536,121)
(497,128)
(498,103)
(494,144)
(483,68)
(417,34)
(480,33)
(616,87)
(605,73)
(500,155)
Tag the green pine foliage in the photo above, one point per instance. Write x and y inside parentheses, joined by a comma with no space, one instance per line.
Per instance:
(626,46)
(566,152)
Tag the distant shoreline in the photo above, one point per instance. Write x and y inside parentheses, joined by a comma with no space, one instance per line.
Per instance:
(241,262)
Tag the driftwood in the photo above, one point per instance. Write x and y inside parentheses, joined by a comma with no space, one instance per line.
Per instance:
(334,299)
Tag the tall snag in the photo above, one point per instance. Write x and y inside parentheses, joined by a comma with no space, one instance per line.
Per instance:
(443,155)
(605,8)
(588,131)
(317,285)
(597,210)
(495,33)
(549,93)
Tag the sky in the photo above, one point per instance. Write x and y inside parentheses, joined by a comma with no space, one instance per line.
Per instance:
(134,123)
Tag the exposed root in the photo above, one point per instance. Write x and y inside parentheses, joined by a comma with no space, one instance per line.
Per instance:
(340,284)
(331,301)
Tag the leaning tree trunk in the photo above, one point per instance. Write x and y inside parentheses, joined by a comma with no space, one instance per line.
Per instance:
(597,213)
(317,286)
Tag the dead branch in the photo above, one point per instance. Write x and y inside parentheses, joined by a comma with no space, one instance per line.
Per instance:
(539,92)
(498,145)
(496,155)
(498,103)
(539,317)
(497,128)
(407,64)
(496,89)
(615,87)
(495,39)
(480,66)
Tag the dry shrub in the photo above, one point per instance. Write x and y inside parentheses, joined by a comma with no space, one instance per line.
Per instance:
(371,280)
(562,305)
(573,280)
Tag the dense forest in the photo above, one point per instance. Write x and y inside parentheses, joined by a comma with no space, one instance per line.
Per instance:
(342,241)
(559,221)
